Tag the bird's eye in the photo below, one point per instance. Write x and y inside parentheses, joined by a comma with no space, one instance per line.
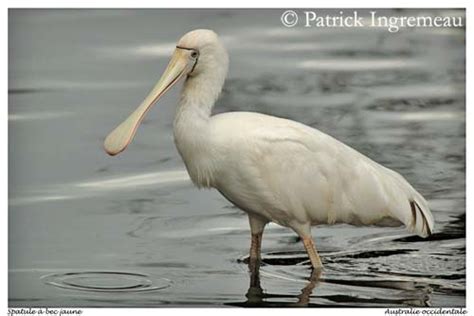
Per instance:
(194,54)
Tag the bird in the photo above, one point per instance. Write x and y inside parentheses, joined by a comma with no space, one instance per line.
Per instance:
(274,169)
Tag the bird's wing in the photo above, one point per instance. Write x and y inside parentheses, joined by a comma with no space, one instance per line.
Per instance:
(303,168)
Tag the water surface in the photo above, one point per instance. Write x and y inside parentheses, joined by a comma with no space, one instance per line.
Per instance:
(86,229)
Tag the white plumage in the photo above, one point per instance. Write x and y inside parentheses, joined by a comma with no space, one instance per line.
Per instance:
(272,168)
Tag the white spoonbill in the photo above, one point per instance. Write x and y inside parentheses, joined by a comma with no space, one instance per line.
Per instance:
(274,169)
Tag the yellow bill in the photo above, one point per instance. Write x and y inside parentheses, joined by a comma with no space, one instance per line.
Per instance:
(180,64)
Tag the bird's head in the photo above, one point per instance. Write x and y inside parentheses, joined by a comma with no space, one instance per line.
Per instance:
(207,49)
(198,54)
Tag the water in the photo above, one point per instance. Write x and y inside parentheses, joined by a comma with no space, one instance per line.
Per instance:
(86,229)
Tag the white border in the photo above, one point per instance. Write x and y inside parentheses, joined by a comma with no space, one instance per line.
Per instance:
(235,4)
(220,4)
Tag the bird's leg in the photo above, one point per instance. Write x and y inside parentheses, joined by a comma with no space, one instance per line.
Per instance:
(312,252)
(304,231)
(255,258)
(257,225)
(256,246)
(255,292)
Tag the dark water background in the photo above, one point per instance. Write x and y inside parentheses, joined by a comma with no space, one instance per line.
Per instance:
(86,229)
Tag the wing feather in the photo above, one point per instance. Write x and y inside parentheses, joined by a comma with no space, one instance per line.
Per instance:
(312,176)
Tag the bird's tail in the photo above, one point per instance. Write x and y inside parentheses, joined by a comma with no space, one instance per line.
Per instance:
(422,222)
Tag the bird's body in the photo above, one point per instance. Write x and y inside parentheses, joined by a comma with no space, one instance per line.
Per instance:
(276,169)
(292,174)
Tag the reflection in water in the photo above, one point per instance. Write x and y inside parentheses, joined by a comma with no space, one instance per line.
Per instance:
(414,294)
(87,189)
(37,116)
(155,178)
(257,297)
(358,64)
(309,297)
(387,271)
(143,51)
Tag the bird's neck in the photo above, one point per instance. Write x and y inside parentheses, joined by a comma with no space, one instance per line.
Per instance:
(192,126)
(197,99)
